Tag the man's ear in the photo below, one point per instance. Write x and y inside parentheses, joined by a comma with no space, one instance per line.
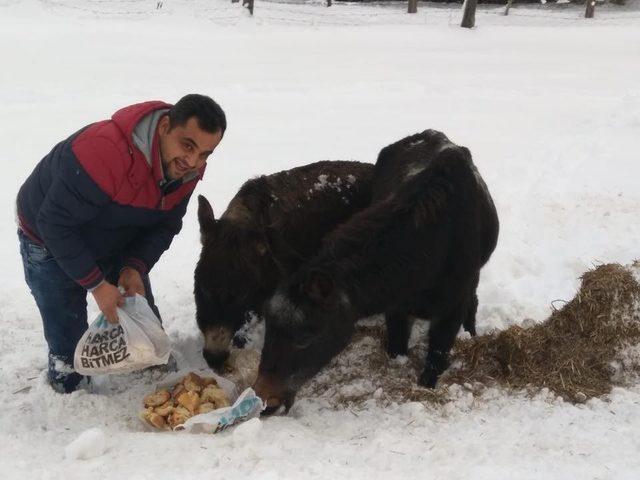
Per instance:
(206,217)
(319,286)
(164,124)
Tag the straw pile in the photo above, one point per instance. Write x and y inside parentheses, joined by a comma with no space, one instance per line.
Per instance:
(575,353)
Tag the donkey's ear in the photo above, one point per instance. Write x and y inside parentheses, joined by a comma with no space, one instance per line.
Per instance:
(205,214)
(319,286)
(286,258)
(206,218)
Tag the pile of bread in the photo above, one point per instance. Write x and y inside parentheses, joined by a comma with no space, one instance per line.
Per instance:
(193,395)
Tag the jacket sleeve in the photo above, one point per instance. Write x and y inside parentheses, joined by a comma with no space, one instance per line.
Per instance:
(145,250)
(72,200)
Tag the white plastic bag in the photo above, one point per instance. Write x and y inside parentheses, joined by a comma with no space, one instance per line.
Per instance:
(137,341)
(246,405)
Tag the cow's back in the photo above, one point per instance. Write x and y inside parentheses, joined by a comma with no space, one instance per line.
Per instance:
(405,169)
(309,201)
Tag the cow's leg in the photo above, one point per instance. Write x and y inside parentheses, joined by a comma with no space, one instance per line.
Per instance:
(469,322)
(398,330)
(442,335)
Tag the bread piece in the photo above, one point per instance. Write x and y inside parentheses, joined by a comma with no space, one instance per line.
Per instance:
(154,419)
(177,390)
(206,408)
(178,416)
(189,400)
(206,381)
(193,382)
(156,399)
(164,409)
(216,396)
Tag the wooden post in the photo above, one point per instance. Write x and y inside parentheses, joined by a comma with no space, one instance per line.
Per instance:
(469,16)
(506,10)
(413,6)
(591,7)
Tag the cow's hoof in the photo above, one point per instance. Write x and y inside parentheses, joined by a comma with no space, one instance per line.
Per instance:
(428,379)
(471,329)
(394,350)
(269,411)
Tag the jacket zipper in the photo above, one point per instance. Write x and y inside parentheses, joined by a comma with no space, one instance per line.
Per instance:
(160,203)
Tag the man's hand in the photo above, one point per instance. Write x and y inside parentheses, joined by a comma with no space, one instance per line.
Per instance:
(131,281)
(108,298)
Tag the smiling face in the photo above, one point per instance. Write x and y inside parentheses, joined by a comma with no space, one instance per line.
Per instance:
(184,149)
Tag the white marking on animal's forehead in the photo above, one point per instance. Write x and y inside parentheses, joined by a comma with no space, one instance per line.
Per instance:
(417,167)
(284,310)
(413,170)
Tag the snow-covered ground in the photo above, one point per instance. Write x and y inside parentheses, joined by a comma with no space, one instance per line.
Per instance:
(548,103)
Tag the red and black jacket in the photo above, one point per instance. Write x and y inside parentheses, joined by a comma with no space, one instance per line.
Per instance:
(96,195)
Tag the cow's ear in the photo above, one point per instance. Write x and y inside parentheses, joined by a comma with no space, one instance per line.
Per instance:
(319,286)
(205,214)
(286,258)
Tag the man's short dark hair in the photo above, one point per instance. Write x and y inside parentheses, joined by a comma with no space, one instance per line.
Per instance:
(210,116)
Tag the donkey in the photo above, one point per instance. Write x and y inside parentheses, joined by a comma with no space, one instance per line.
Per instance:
(238,269)
(416,251)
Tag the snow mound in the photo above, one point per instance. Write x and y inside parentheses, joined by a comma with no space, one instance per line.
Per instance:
(91,443)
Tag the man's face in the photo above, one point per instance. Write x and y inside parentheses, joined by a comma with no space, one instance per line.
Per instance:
(185,149)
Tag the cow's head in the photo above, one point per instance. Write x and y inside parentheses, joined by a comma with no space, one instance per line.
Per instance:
(309,320)
(235,274)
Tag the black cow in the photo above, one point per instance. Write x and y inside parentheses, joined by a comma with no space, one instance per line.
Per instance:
(416,251)
(238,270)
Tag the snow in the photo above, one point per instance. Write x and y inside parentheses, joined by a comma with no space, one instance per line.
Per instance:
(246,431)
(89,444)
(547,102)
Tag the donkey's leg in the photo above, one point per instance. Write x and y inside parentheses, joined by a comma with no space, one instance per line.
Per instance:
(442,335)
(469,322)
(398,331)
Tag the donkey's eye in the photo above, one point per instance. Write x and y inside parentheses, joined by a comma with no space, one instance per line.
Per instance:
(304,337)
(300,343)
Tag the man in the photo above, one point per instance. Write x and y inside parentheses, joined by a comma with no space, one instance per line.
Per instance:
(99,210)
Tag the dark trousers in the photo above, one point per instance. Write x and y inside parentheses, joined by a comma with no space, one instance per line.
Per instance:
(61,301)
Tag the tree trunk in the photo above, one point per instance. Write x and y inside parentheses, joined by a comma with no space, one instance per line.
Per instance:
(328,3)
(469,16)
(413,6)
(591,7)
(506,10)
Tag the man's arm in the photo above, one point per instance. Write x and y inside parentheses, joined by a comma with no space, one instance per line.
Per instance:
(144,252)
(74,199)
